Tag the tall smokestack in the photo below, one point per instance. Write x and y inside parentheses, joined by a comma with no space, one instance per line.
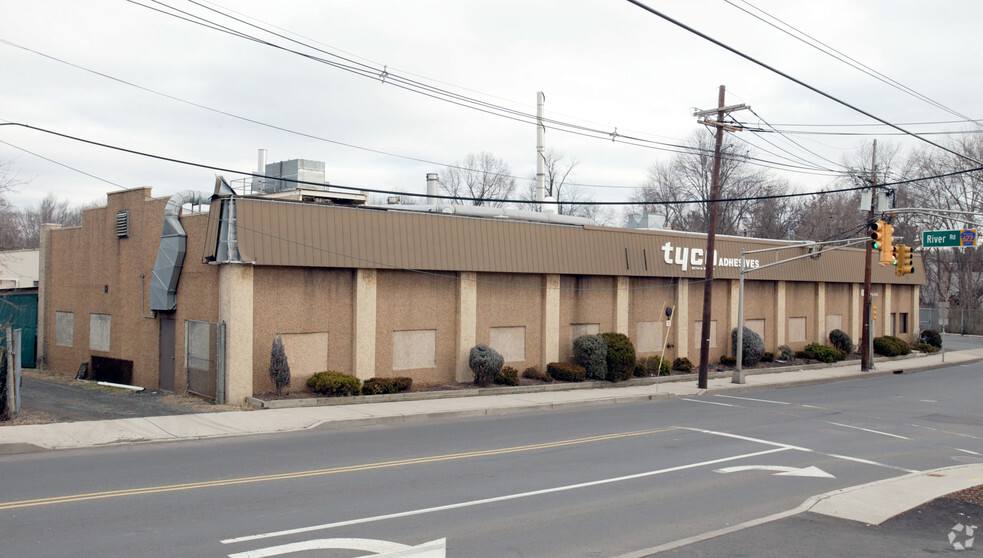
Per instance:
(432,189)
(540,151)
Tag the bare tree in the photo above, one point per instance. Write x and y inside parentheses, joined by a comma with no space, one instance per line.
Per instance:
(10,218)
(687,178)
(954,274)
(478,178)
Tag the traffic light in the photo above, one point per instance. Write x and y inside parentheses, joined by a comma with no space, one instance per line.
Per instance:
(883,236)
(904,264)
(873,312)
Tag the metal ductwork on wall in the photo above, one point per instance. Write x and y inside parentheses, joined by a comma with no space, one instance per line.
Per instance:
(170,256)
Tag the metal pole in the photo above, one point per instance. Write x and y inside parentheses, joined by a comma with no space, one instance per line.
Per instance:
(711,238)
(738,376)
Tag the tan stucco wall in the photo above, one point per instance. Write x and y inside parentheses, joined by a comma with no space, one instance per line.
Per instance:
(415,301)
(649,299)
(506,299)
(585,300)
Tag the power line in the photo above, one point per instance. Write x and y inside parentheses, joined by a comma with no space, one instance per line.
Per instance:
(795,80)
(853,63)
(388,77)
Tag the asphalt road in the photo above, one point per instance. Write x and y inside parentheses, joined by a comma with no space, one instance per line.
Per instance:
(603,481)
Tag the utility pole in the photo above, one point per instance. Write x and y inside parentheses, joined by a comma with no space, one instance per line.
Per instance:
(865,346)
(721,110)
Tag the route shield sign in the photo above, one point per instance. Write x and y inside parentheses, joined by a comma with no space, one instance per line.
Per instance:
(948,239)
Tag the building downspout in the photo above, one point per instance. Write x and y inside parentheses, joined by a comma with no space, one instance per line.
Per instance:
(170,255)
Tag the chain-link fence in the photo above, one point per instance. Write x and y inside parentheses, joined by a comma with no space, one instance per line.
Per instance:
(205,358)
(966,321)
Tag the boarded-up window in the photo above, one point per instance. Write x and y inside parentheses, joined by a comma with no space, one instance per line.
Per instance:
(64,328)
(699,331)
(797,329)
(648,337)
(415,348)
(834,321)
(307,354)
(576,330)
(757,326)
(510,342)
(99,325)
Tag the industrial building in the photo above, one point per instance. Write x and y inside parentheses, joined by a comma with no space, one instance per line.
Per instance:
(407,291)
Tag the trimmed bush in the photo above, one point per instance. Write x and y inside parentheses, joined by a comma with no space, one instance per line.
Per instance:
(334,384)
(768,357)
(376,386)
(507,377)
(841,340)
(534,373)
(824,353)
(279,368)
(566,372)
(931,337)
(802,354)
(653,366)
(591,352)
(620,357)
(754,347)
(785,352)
(682,364)
(890,345)
(486,363)
(728,360)
(926,348)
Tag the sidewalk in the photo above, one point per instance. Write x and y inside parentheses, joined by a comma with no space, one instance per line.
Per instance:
(73,435)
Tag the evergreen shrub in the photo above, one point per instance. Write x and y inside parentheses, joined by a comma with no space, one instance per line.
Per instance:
(824,353)
(486,363)
(334,384)
(591,352)
(566,372)
(682,364)
(931,337)
(841,340)
(279,368)
(507,377)
(620,356)
(753,347)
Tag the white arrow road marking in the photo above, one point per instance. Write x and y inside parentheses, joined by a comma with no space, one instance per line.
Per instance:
(379,549)
(782,471)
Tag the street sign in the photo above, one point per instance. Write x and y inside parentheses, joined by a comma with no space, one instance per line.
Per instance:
(948,239)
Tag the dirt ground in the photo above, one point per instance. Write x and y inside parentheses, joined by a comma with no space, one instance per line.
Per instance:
(55,398)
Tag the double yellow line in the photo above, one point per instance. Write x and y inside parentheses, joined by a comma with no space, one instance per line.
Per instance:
(317,472)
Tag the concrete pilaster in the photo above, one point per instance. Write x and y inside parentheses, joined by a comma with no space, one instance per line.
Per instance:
(235,308)
(886,316)
(551,320)
(467,325)
(856,312)
(781,321)
(681,318)
(820,312)
(913,322)
(622,297)
(363,338)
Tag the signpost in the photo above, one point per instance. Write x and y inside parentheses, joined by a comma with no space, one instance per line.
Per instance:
(948,239)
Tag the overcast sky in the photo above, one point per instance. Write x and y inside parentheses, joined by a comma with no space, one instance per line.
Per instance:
(603,64)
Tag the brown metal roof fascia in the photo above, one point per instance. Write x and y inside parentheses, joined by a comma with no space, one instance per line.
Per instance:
(270,233)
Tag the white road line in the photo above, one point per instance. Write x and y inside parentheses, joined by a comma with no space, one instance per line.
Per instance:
(868,430)
(927,401)
(868,462)
(814,407)
(967,451)
(753,399)
(472,503)
(708,402)
(745,438)
(946,432)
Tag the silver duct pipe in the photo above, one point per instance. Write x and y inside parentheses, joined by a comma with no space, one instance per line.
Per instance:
(493,213)
(432,182)
(170,255)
